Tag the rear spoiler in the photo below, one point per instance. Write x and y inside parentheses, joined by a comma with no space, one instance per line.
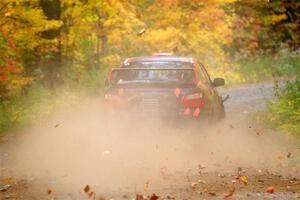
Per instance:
(159,69)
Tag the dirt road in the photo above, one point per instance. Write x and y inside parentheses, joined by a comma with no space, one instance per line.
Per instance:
(236,159)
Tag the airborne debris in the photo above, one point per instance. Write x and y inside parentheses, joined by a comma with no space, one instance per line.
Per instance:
(86,189)
(141,32)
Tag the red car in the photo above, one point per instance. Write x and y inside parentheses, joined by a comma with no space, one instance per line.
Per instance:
(164,85)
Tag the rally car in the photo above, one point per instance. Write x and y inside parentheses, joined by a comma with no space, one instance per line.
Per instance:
(164,85)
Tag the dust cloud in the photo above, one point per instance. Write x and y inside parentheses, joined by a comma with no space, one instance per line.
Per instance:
(86,146)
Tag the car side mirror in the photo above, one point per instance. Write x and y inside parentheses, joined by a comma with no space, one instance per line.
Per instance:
(218,82)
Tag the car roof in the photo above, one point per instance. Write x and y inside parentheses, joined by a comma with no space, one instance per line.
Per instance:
(158,58)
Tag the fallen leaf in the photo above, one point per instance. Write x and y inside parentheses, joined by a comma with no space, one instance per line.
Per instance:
(56,125)
(49,191)
(280,157)
(4,188)
(288,155)
(244,179)
(270,190)
(91,194)
(154,197)
(260,181)
(229,194)
(139,197)
(86,189)
(212,193)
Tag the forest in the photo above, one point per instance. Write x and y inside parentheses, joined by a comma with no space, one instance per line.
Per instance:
(65,48)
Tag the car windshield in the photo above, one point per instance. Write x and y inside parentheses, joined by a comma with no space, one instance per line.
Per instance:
(163,76)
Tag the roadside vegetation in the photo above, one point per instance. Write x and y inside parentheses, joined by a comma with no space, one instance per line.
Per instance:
(285,113)
(54,53)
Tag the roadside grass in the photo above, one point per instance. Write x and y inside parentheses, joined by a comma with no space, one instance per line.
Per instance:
(282,113)
(41,102)
(265,67)
(285,112)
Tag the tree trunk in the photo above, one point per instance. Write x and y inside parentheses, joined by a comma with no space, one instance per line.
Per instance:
(52,68)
